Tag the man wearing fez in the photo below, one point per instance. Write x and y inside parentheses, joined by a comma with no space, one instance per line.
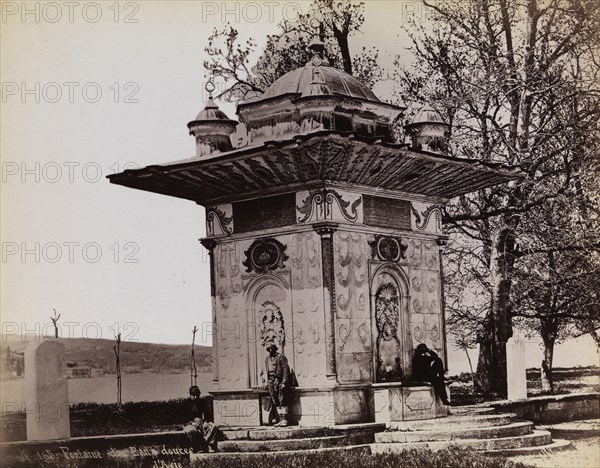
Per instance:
(278,373)
(428,367)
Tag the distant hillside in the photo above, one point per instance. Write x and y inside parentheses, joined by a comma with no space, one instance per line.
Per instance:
(99,354)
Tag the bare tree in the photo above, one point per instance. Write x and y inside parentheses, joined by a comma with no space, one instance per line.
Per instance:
(117,350)
(333,20)
(518,82)
(55,323)
(193,370)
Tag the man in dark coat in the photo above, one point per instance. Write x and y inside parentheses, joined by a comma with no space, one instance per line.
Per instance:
(278,373)
(428,367)
(201,433)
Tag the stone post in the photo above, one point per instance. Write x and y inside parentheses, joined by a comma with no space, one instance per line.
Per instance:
(516,377)
(46,391)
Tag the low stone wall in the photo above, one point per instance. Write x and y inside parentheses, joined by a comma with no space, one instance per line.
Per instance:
(554,408)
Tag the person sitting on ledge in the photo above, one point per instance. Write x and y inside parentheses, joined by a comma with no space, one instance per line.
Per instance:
(201,433)
(428,367)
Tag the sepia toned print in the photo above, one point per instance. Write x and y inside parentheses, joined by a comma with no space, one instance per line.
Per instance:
(390,258)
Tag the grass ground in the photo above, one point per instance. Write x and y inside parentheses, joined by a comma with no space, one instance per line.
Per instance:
(449,458)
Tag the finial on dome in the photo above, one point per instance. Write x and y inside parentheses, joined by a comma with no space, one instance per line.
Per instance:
(318,86)
(209,87)
(317,46)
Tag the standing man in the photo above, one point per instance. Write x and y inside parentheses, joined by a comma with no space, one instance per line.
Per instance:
(278,372)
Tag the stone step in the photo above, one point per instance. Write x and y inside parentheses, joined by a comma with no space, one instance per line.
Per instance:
(261,456)
(535,439)
(556,446)
(277,433)
(279,445)
(472,409)
(454,421)
(488,432)
(573,429)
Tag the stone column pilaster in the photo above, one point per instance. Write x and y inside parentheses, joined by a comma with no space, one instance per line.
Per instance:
(442,242)
(209,245)
(326,230)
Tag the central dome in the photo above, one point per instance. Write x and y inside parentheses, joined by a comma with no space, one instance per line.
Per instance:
(337,82)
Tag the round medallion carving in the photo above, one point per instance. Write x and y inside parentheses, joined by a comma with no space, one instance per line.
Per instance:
(265,255)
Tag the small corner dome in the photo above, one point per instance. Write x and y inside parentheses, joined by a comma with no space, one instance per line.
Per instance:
(332,79)
(427,114)
(211,112)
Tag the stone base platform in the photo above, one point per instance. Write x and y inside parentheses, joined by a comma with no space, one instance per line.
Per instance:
(331,406)
(307,407)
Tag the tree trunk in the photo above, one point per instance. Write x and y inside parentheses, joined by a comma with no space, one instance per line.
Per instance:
(341,37)
(490,378)
(491,365)
(546,370)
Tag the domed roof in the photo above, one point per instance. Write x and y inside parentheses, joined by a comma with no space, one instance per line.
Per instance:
(334,80)
(211,112)
(427,114)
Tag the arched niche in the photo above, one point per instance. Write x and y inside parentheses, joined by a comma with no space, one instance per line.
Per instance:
(389,315)
(268,306)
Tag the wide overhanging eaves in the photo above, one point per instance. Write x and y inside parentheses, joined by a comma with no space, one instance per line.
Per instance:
(324,157)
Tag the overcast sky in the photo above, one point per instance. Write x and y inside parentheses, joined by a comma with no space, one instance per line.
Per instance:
(92,88)
(89,89)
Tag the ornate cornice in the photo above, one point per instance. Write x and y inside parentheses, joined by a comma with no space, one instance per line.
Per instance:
(318,157)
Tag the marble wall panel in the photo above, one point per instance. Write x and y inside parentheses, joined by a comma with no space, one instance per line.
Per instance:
(308,332)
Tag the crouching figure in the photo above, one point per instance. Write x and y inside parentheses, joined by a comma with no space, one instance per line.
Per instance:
(201,433)
(428,367)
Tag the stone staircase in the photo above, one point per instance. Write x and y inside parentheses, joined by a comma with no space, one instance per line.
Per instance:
(475,427)
(275,439)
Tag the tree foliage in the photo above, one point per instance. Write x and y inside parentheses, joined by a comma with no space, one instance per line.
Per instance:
(334,21)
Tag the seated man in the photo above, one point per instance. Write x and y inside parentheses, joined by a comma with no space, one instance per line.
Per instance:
(428,367)
(201,433)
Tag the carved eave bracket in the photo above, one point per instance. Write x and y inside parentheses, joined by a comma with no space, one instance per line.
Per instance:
(328,204)
(219,220)
(427,218)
